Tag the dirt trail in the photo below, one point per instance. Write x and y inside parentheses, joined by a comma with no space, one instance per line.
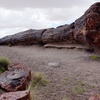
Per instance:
(76,69)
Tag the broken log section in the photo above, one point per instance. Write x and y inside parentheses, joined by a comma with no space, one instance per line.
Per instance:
(19,95)
(15,78)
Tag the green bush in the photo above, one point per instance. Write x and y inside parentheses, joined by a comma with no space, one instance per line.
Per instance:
(3,64)
(36,81)
(78,89)
(95,57)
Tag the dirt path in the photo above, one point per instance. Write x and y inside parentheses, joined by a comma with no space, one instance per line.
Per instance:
(76,69)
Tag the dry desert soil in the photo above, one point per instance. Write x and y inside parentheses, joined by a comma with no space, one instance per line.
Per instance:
(75,77)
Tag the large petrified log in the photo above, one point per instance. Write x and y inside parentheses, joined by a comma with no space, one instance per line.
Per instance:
(85,30)
(19,95)
(15,78)
(61,33)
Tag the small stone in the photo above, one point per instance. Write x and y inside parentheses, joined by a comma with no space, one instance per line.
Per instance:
(54,64)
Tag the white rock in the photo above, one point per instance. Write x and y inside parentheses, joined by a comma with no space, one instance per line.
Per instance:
(54,64)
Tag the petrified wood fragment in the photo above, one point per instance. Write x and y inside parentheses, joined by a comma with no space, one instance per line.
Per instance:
(19,95)
(15,78)
(95,97)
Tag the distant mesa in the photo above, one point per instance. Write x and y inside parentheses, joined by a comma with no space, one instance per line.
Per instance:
(85,30)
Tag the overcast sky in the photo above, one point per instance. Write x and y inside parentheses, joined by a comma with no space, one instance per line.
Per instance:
(19,15)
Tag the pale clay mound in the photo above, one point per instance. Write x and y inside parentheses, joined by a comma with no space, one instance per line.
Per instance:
(76,67)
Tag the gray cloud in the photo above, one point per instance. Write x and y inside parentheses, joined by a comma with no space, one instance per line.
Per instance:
(18,15)
(16,4)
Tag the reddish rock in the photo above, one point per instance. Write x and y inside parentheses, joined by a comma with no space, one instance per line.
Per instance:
(19,95)
(87,27)
(15,78)
(95,97)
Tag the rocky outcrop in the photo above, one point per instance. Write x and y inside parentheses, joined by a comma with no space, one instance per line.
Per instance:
(87,27)
(85,30)
(19,95)
(15,78)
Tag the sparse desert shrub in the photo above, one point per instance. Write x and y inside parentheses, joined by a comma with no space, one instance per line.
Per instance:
(10,45)
(92,86)
(65,80)
(3,64)
(82,84)
(78,89)
(36,80)
(95,57)
(66,98)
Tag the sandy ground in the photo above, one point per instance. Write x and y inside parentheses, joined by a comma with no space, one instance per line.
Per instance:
(77,69)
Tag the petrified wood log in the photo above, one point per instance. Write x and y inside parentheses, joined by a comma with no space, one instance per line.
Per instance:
(19,95)
(15,79)
(85,30)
